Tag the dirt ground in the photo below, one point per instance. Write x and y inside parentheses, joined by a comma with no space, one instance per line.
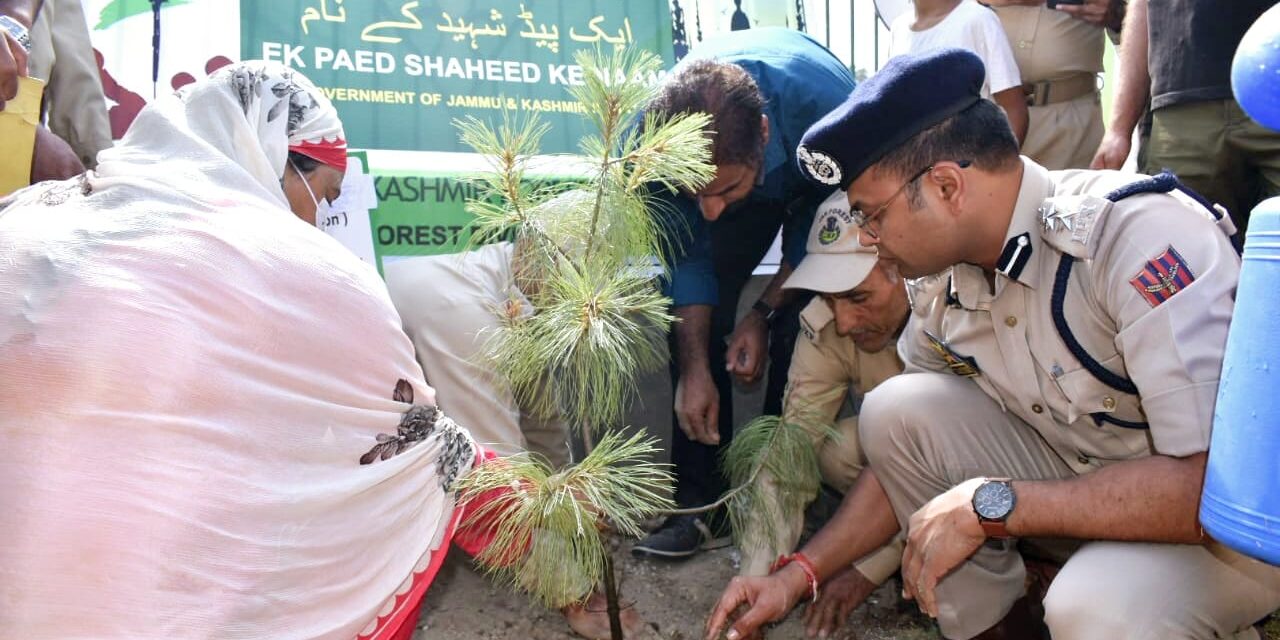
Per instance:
(673,597)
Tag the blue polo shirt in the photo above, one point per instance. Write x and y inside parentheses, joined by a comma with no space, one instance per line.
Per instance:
(801,81)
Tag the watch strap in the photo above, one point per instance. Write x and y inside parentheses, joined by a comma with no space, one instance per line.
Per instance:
(767,312)
(19,32)
(994,528)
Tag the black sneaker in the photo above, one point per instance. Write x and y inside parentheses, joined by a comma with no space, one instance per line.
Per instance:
(679,537)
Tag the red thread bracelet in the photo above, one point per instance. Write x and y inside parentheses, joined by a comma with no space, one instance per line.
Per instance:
(810,574)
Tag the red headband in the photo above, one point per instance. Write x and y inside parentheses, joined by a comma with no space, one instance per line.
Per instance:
(333,153)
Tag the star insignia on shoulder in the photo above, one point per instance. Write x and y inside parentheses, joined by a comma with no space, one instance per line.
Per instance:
(1055,219)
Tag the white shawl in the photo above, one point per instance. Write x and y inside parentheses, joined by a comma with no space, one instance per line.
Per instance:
(189,376)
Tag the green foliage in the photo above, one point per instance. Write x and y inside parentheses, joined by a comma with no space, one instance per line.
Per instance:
(593,333)
(545,536)
(774,465)
(586,254)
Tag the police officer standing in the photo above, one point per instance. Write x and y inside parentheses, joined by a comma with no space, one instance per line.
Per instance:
(1058,48)
(1062,369)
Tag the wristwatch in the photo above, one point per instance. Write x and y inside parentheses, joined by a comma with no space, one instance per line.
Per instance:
(19,32)
(767,312)
(993,501)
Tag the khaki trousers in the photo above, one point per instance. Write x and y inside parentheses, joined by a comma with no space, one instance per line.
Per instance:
(840,460)
(1216,149)
(447,304)
(1064,135)
(926,432)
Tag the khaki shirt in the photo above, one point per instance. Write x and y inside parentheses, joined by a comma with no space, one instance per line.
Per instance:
(1049,44)
(824,362)
(62,55)
(1163,327)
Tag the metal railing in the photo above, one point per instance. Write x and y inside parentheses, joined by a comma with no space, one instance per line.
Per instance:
(849,28)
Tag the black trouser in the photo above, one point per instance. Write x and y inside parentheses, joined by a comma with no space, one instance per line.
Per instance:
(739,240)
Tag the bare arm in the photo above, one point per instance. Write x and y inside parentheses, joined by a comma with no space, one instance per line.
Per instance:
(749,344)
(1133,87)
(863,523)
(13,57)
(1014,103)
(697,401)
(774,295)
(23,11)
(693,332)
(1152,499)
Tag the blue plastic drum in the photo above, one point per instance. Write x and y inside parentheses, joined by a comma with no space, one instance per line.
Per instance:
(1241,502)
(1255,70)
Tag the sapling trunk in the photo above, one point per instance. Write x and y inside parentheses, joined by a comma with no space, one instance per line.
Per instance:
(582,252)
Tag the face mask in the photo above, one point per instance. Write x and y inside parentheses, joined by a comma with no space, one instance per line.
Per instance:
(322,206)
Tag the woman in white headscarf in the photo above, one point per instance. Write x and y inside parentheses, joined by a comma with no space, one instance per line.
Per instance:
(211,423)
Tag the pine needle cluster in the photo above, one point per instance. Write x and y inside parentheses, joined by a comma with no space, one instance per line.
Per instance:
(773,463)
(586,256)
(586,252)
(546,539)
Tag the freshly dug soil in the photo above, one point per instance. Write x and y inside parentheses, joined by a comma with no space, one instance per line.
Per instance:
(673,597)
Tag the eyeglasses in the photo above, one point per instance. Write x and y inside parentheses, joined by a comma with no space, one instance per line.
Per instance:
(863,219)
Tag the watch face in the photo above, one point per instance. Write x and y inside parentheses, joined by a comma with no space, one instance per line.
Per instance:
(993,500)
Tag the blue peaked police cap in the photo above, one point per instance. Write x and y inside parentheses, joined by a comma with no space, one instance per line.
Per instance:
(910,94)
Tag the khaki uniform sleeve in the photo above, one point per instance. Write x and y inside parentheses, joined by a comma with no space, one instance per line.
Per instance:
(1172,336)
(823,371)
(817,382)
(63,55)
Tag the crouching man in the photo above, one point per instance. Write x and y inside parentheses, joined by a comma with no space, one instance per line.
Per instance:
(1061,372)
(847,346)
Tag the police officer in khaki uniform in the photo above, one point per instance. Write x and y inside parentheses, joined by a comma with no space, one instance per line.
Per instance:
(1059,53)
(1061,373)
(62,55)
(847,346)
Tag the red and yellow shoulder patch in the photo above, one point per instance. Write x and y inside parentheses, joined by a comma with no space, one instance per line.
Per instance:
(1162,277)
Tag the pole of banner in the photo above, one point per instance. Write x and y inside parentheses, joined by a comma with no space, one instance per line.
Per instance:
(155,45)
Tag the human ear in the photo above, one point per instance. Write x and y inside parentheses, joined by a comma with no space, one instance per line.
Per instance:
(950,181)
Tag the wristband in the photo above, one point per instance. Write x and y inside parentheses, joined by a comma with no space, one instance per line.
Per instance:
(810,574)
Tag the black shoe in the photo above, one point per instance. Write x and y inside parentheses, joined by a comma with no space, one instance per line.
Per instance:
(679,537)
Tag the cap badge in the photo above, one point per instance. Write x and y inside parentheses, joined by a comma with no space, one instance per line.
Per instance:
(829,232)
(820,166)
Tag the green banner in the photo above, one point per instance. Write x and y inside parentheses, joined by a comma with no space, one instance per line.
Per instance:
(401,224)
(400,72)
(421,215)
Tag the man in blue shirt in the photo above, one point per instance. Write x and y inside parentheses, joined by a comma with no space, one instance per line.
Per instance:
(763,88)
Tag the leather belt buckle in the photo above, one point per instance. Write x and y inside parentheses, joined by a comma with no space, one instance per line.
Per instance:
(1048,92)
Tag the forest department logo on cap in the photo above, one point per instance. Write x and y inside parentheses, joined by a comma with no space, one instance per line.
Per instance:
(829,232)
(819,166)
